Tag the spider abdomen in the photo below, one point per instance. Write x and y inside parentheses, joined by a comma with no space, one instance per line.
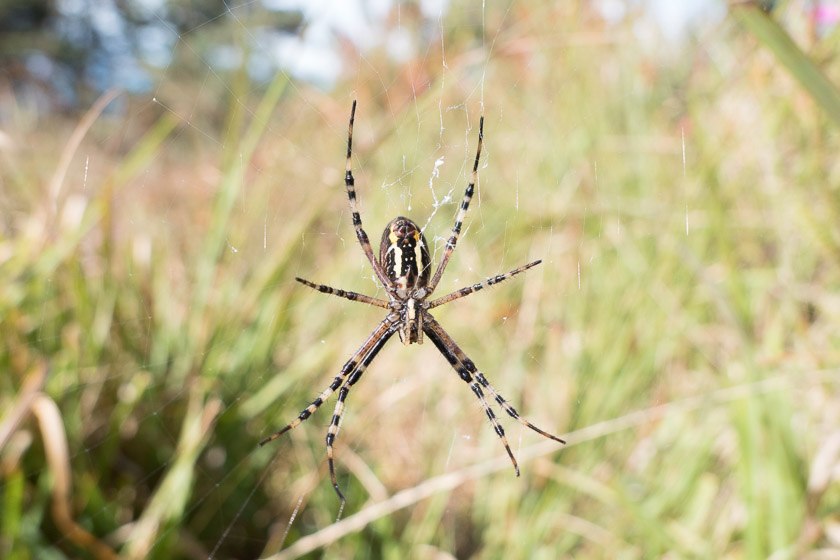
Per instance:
(404,255)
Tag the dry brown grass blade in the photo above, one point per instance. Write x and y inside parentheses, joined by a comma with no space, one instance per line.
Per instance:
(54,186)
(454,479)
(32,385)
(58,458)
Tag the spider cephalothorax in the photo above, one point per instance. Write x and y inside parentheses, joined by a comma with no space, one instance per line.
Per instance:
(404,270)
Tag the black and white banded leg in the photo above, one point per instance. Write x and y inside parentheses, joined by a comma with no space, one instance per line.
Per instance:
(335,423)
(462,212)
(374,342)
(458,294)
(505,405)
(468,372)
(352,296)
(493,420)
(468,378)
(350,184)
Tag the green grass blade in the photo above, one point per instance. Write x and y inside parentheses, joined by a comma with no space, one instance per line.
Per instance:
(764,28)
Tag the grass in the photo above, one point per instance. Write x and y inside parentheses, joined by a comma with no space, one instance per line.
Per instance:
(681,331)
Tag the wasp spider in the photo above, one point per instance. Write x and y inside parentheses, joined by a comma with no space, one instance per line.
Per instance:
(404,269)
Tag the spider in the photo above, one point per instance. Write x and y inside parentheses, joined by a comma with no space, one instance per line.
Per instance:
(403,268)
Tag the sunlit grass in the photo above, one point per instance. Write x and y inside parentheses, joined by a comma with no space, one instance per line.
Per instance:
(681,329)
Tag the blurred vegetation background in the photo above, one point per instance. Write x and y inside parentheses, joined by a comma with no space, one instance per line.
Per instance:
(683,193)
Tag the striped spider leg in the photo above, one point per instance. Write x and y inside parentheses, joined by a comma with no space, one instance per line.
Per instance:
(369,346)
(462,212)
(347,377)
(475,379)
(463,292)
(352,296)
(404,269)
(350,185)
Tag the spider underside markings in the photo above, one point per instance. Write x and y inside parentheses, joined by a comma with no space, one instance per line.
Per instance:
(404,269)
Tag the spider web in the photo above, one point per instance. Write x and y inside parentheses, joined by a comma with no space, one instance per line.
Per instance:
(422,75)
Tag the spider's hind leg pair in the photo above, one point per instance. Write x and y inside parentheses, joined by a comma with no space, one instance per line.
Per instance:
(404,269)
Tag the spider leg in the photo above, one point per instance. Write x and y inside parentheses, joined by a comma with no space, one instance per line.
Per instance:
(465,204)
(332,432)
(374,342)
(476,287)
(509,409)
(431,332)
(350,183)
(352,296)
(493,420)
(467,370)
